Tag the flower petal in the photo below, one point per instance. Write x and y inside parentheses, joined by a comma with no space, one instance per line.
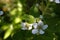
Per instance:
(51,0)
(23,24)
(40,23)
(1,12)
(35,25)
(41,31)
(34,31)
(41,16)
(30,26)
(45,27)
(24,28)
(57,1)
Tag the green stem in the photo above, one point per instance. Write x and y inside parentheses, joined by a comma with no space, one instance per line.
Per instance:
(43,12)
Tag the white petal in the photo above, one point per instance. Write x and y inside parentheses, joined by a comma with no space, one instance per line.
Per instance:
(37,4)
(40,23)
(23,24)
(30,26)
(24,28)
(34,31)
(1,12)
(45,27)
(41,31)
(41,16)
(57,1)
(35,25)
(51,0)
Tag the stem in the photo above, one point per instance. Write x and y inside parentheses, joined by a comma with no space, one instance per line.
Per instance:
(43,12)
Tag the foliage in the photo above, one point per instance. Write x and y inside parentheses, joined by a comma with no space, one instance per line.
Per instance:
(17,11)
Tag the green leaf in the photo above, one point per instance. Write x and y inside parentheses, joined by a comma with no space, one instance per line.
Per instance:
(13,12)
(4,27)
(17,20)
(34,11)
(7,33)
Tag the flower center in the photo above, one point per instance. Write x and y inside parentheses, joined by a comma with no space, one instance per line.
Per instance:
(39,27)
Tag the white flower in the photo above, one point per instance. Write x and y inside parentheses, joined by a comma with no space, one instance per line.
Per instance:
(41,31)
(41,16)
(35,25)
(45,27)
(26,26)
(1,12)
(34,31)
(39,27)
(57,1)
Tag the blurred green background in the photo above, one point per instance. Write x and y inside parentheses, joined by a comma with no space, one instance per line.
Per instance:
(16,11)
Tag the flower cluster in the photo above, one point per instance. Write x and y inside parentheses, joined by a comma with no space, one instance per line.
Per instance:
(36,27)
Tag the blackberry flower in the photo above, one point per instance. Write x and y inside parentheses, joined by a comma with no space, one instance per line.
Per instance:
(26,26)
(39,28)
